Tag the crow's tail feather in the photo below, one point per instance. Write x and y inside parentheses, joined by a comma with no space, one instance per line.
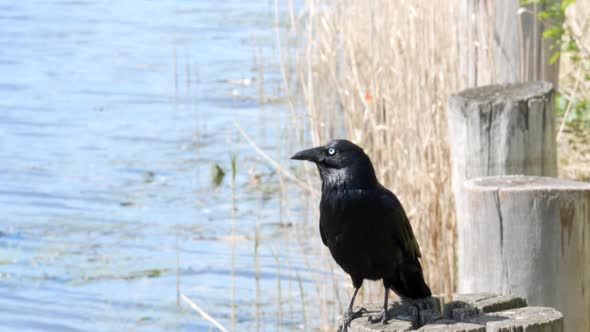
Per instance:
(408,282)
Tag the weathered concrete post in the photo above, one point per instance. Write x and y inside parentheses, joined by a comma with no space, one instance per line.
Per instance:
(521,53)
(466,313)
(499,42)
(499,130)
(502,130)
(529,236)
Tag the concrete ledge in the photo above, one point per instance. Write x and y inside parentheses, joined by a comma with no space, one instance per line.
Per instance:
(466,313)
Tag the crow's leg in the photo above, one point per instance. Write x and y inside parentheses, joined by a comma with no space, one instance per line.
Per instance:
(349,315)
(382,316)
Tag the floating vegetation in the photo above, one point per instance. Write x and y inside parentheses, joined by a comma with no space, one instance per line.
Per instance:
(132,275)
(217,175)
(148,177)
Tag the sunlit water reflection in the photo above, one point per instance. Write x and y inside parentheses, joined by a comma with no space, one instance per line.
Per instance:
(112,114)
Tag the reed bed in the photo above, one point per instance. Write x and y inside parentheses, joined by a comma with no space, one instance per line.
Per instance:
(379,73)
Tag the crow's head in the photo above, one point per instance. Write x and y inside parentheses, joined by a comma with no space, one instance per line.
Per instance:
(341,163)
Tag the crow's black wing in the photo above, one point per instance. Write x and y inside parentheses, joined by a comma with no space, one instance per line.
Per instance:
(398,223)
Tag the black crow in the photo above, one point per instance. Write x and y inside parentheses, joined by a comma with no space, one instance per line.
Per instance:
(364,225)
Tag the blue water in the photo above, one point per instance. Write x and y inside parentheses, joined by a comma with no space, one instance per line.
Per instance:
(112,114)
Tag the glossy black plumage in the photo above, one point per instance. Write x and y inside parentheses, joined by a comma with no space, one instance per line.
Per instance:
(363,223)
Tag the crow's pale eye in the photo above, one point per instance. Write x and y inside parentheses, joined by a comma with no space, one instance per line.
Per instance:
(331,151)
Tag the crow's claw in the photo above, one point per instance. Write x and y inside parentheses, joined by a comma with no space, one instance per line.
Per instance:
(349,315)
(381,317)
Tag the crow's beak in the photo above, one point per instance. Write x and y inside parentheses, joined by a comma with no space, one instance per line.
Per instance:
(312,154)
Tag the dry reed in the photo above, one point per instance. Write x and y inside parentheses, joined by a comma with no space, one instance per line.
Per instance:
(380,73)
(203,313)
(383,71)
